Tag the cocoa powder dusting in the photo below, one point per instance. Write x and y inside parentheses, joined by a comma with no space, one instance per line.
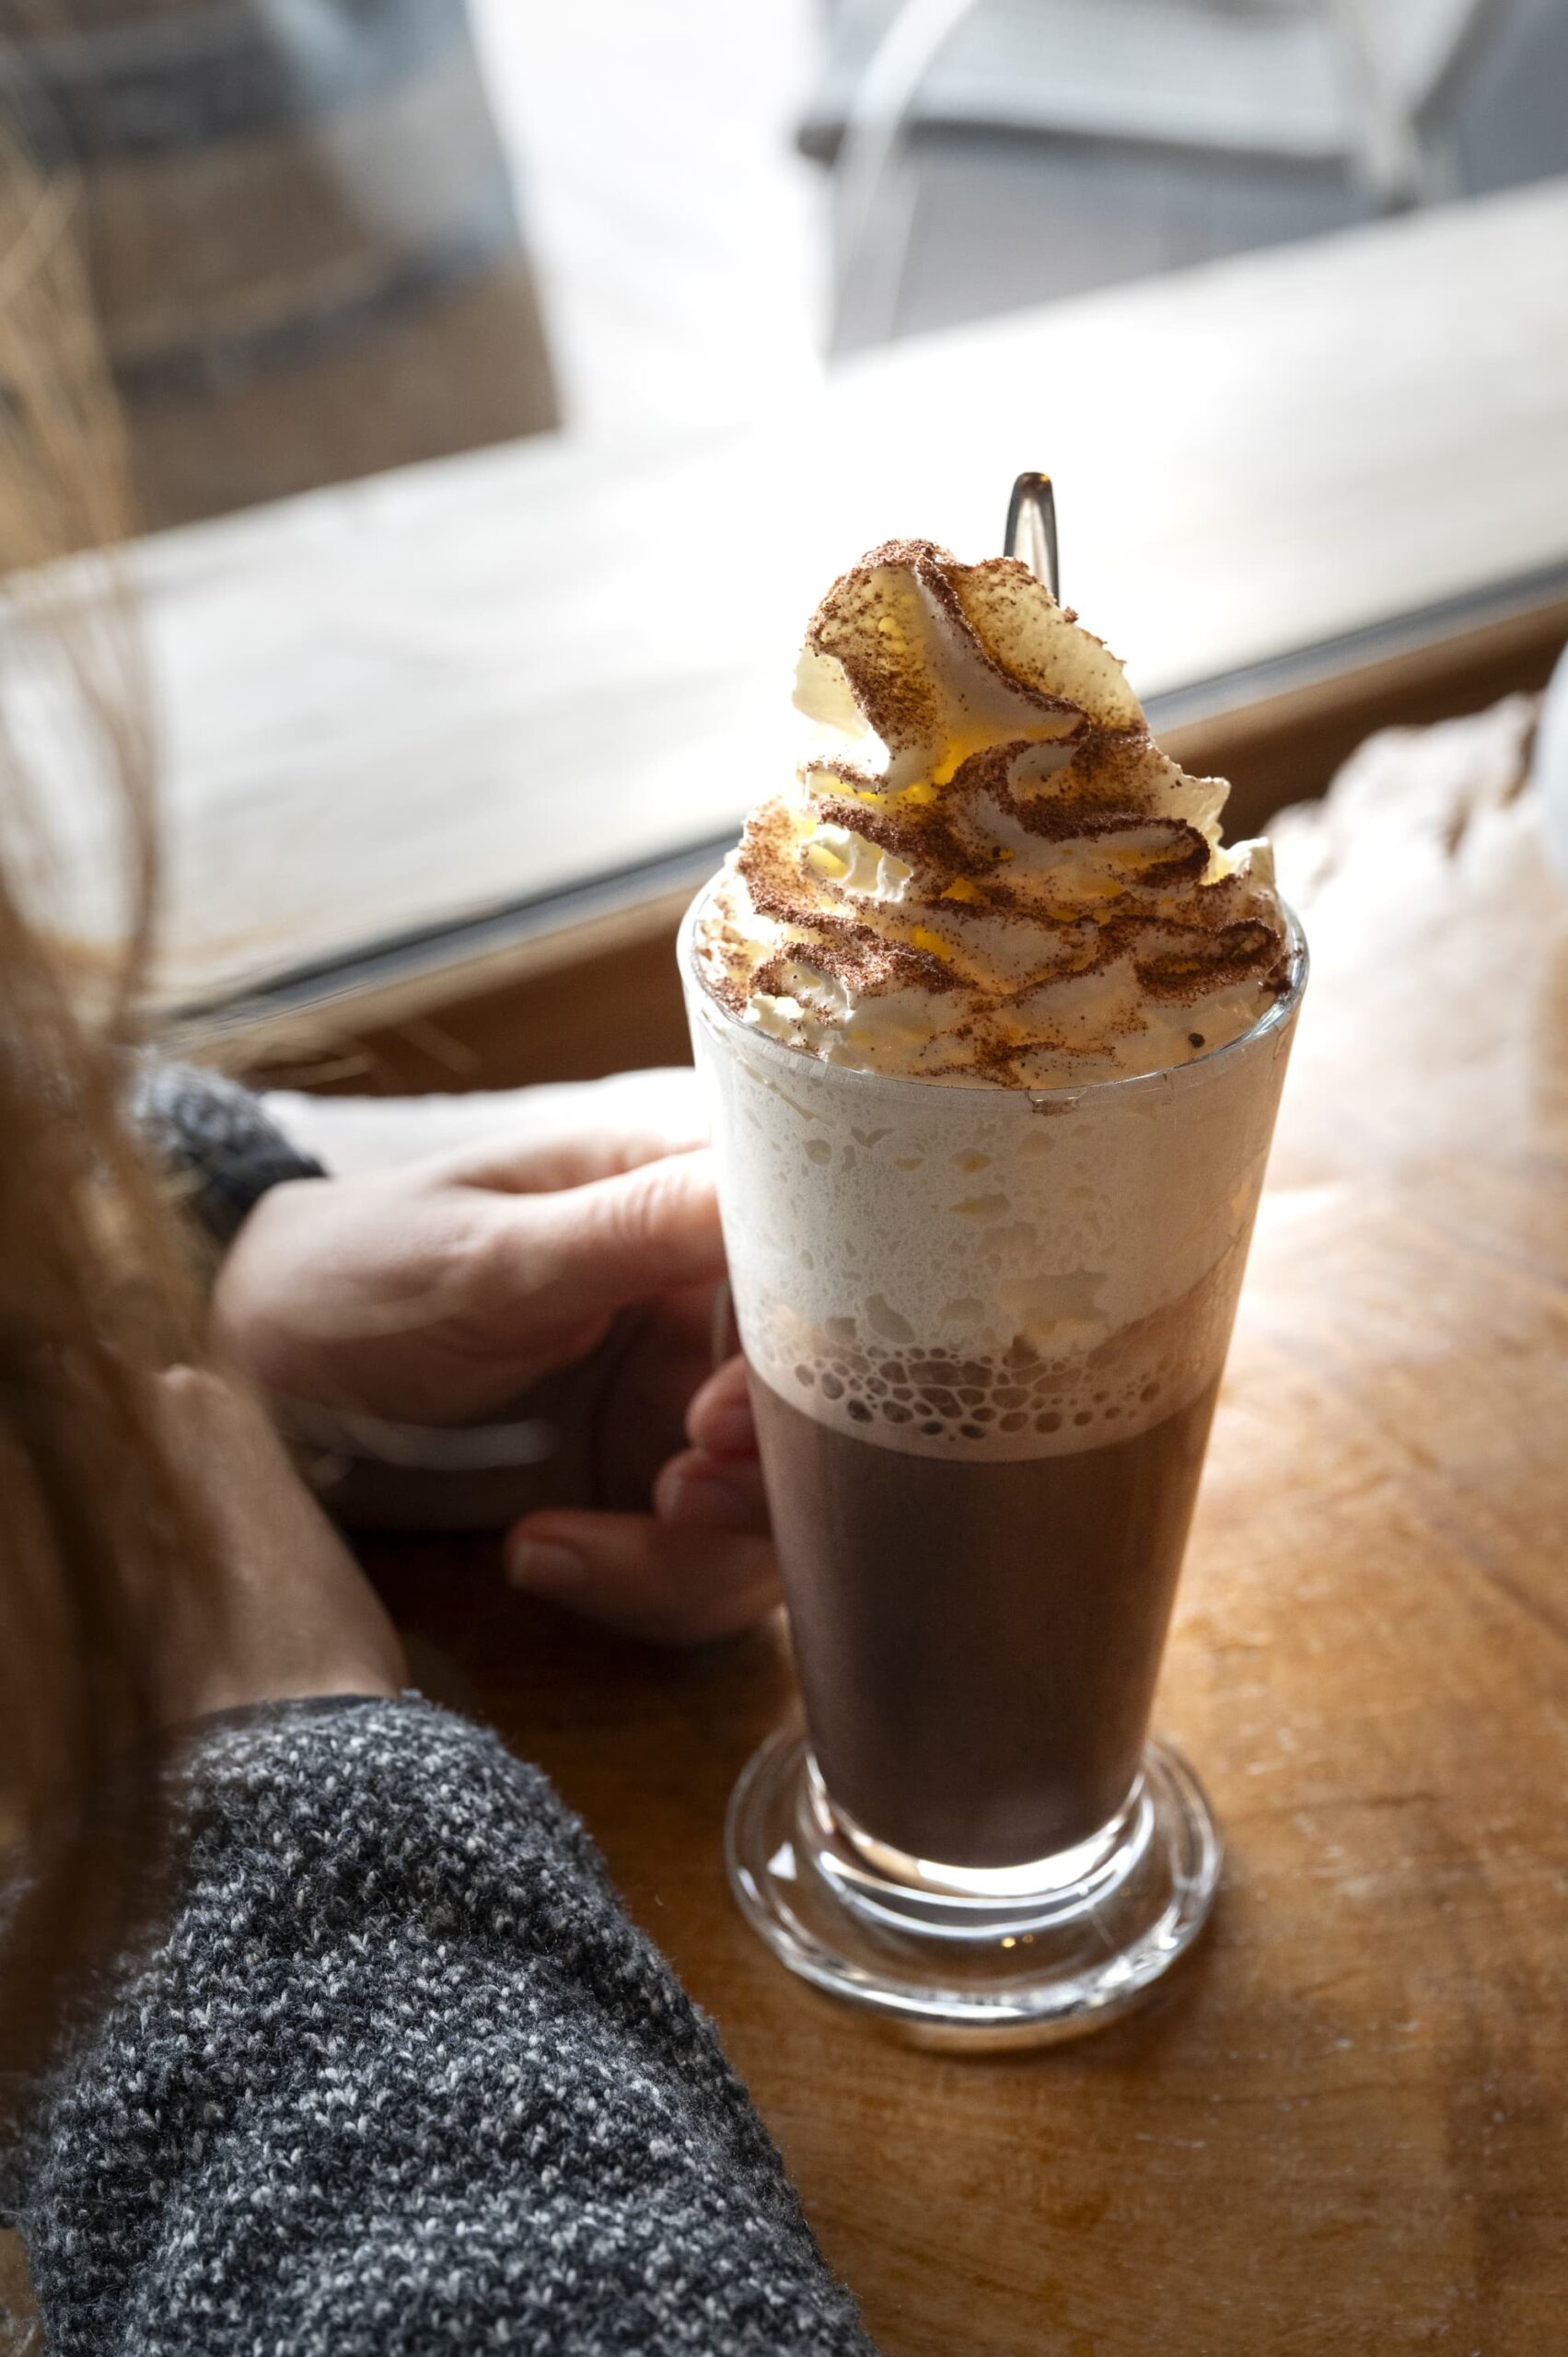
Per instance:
(1039,860)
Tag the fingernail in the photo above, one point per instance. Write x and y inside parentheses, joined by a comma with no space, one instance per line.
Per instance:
(730,1431)
(539,1563)
(712,1503)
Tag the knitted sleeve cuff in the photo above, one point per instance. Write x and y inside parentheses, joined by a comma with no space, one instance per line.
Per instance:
(214,1141)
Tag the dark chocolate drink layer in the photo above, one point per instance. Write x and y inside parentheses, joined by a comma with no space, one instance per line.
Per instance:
(977,1644)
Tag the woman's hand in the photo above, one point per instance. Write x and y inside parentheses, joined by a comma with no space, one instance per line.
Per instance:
(701,1563)
(292,1614)
(444,1291)
(437,1293)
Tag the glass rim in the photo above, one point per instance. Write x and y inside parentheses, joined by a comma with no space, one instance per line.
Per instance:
(1273,1018)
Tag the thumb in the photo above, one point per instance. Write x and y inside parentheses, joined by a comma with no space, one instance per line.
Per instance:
(602,1247)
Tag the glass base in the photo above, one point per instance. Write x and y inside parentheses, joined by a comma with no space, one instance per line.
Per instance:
(971,1959)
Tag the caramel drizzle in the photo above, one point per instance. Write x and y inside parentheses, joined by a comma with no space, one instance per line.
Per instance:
(1201,936)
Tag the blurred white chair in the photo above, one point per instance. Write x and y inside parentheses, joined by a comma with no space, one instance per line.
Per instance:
(1346,83)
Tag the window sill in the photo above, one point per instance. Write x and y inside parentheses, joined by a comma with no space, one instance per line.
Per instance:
(466,731)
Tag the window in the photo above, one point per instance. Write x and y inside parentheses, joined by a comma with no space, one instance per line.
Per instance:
(1252,278)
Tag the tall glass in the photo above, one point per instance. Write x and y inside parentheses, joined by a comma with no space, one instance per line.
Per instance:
(984,1329)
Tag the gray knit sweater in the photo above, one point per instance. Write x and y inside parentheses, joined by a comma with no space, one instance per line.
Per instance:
(398,2076)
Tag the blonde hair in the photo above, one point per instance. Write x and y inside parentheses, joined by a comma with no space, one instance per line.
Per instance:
(94,1290)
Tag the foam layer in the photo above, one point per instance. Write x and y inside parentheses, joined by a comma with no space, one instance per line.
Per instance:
(986,868)
(979,1272)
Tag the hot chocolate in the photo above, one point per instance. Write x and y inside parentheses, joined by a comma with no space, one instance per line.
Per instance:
(994,1026)
(978,1685)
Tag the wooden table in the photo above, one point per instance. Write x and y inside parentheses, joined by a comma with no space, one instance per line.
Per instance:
(1342,2128)
(412,700)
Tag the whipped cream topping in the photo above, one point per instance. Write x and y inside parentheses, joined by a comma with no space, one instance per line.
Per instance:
(986,869)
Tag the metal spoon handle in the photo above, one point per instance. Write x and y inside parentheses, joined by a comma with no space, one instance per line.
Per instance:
(1031,529)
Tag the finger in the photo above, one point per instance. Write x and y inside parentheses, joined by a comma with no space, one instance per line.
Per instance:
(719,1417)
(593,1250)
(596,1148)
(535,1169)
(720,1492)
(674,1585)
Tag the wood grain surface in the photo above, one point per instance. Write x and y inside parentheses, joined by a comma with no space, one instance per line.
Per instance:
(1341,2128)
